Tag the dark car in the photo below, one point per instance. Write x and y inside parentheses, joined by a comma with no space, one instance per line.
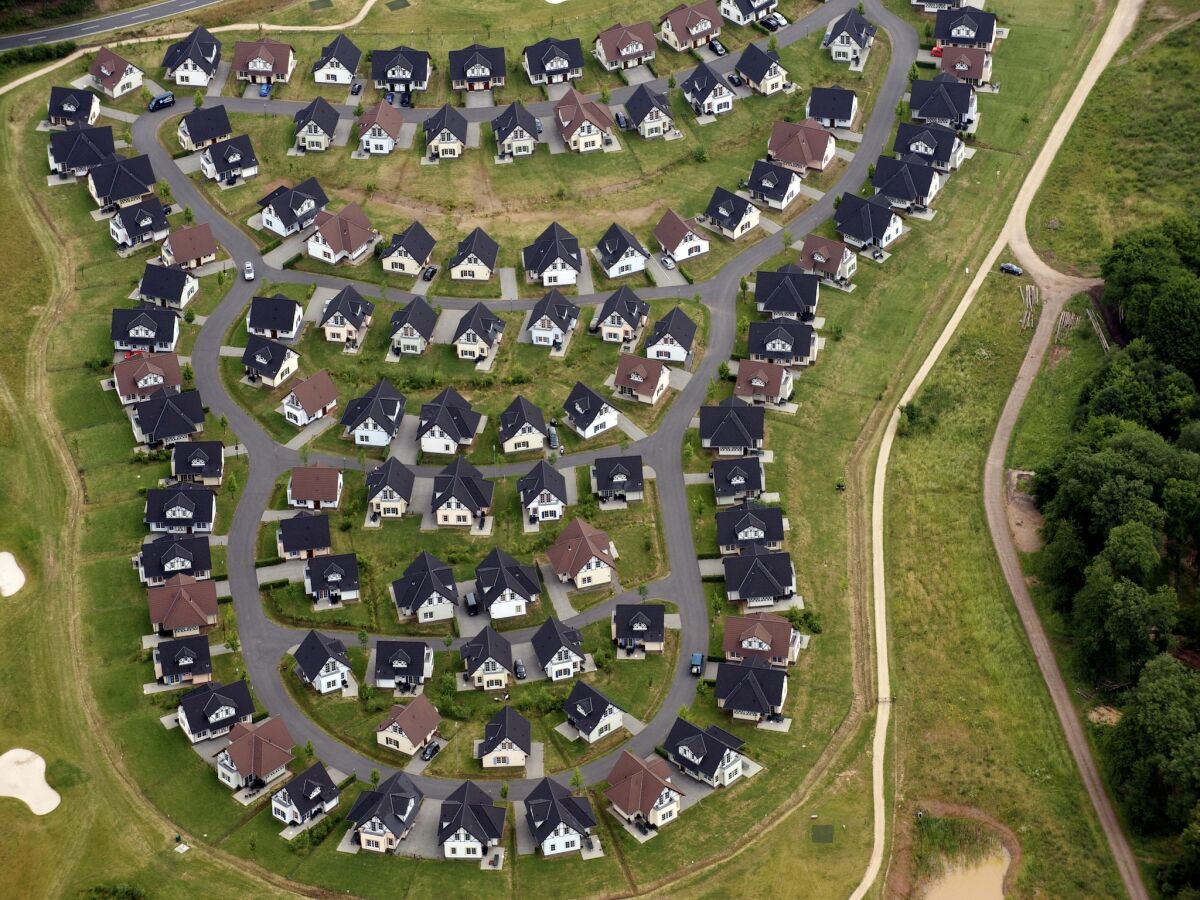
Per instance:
(357,89)
(519,670)
(264,90)
(697,664)
(405,99)
(1011,269)
(769,24)
(717,47)
(430,273)
(162,101)
(430,751)
(471,604)
(389,97)
(735,79)
(622,121)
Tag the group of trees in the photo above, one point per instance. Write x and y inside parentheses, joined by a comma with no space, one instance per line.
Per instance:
(1122,524)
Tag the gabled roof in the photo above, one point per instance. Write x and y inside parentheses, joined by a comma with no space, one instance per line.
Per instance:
(786,292)
(573,109)
(943,97)
(624,472)
(488,644)
(576,546)
(82,146)
(198,501)
(702,16)
(208,123)
(201,706)
(447,118)
(586,706)
(757,688)
(287,202)
(304,531)
(486,325)
(129,372)
(311,789)
(478,243)
(122,179)
(702,748)
(733,423)
(672,228)
(617,38)
(558,309)
(205,458)
(938,138)
(175,553)
(396,658)
(160,322)
(964,62)
(450,412)
(822,254)
(830,102)
(552,244)
(391,474)
(703,81)
(320,112)
(518,414)
(404,59)
(549,805)
(903,180)
(419,314)
(583,405)
(726,208)
(338,571)
(979,25)
(469,809)
(461,61)
(866,220)
(643,101)
(852,24)
(506,724)
(731,523)
(165,414)
(678,325)
(346,230)
(183,602)
(275,313)
(615,243)
(638,374)
(349,303)
(185,655)
(799,143)
(200,47)
(755,62)
(341,49)
(499,572)
(775,632)
(417,720)
(165,283)
(264,356)
(382,404)
(145,216)
(275,53)
(259,749)
(552,636)
(733,476)
(192,241)
(315,482)
(641,621)
(395,803)
(389,119)
(538,55)
(542,477)
(759,573)
(108,68)
(425,576)
(626,304)
(635,784)
(234,153)
(463,482)
(755,377)
(316,650)
(770,179)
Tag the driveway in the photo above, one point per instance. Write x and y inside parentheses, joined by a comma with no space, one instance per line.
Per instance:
(664,277)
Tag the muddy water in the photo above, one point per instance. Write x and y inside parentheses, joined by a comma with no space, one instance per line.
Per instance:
(983,880)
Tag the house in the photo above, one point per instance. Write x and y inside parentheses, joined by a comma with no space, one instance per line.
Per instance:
(761,70)
(121,182)
(410,727)
(584,125)
(303,536)
(587,412)
(183,606)
(167,286)
(828,259)
(522,427)
(309,795)
(344,235)
(747,524)
(559,650)
(583,556)
(286,211)
(970,64)
(140,377)
(849,37)
(773,184)
(590,713)
(732,427)
(750,692)
(181,509)
(203,126)
(552,320)
(189,247)
(906,184)
(256,754)
(338,62)
(264,61)
(402,665)
(543,492)
(487,660)
(801,145)
(447,423)
(276,317)
(426,591)
(332,578)
(944,101)
(193,61)
(736,479)
(389,489)
(461,495)
(620,253)
(322,664)
(759,577)
(783,341)
(166,417)
(229,160)
(200,462)
(553,60)
(445,133)
(746,12)
(730,215)
(832,107)
(507,740)
(761,636)
(763,382)
(72,106)
(516,133)
(650,112)
(475,258)
(379,129)
(346,317)
(469,824)
(113,75)
(382,817)
(641,379)
(505,587)
(934,6)
(972,28)
(688,27)
(314,486)
(212,709)
(939,147)
(787,293)
(79,149)
(618,478)
(866,223)
(708,91)
(400,69)
(477,68)
(559,821)
(412,327)
(625,46)
(678,237)
(553,258)
(623,316)
(640,790)
(711,754)
(169,555)
(373,419)
(639,626)
(477,333)
(147,329)
(315,124)
(183,660)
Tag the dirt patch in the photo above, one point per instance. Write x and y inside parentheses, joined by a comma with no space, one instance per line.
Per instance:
(901,874)
(1058,353)
(1024,518)
(1104,715)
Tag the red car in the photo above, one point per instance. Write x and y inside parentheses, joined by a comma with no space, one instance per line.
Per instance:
(133,354)
(936,52)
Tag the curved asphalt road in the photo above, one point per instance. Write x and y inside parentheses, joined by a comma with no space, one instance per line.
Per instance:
(81,31)
(265,642)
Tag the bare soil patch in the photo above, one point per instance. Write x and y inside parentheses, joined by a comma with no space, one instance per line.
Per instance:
(1024,518)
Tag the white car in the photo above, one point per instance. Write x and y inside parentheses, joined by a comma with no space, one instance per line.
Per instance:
(667,262)
(248,271)
(780,20)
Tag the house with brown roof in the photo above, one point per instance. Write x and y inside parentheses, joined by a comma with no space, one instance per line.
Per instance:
(344,235)
(314,487)
(680,238)
(640,379)
(761,636)
(137,378)
(970,64)
(583,124)
(112,75)
(256,755)
(641,790)
(410,727)
(687,27)
(831,260)
(583,555)
(264,61)
(625,46)
(763,382)
(310,399)
(189,247)
(801,145)
(183,606)
(379,129)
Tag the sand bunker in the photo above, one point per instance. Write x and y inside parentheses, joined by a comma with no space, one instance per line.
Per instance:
(12,579)
(23,775)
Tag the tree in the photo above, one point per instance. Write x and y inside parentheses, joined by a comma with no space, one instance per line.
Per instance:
(375,777)
(773,44)
(304,452)
(671,81)
(309,752)
(224,423)
(363,638)
(643,591)
(231,483)
(605,95)
(504,791)
(1132,551)
(786,237)
(1135,268)
(723,371)
(189,375)
(198,99)
(1119,624)
(1173,322)
(577,779)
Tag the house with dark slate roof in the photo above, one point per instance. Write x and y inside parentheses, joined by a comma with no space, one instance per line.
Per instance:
(618,478)
(543,493)
(849,37)
(72,106)
(193,61)
(750,692)
(346,318)
(338,62)
(170,555)
(559,821)
(475,258)
(410,250)
(867,223)
(167,417)
(204,126)
(708,91)
(552,319)
(737,479)
(559,650)
(775,185)
(80,149)
(412,327)
(730,215)
(445,133)
(783,342)
(965,28)
(470,824)
(505,587)
(141,223)
(622,316)
(592,714)
(322,664)
(447,422)
(373,419)
(286,211)
(402,665)
(145,328)
(522,427)
(426,591)
(759,577)
(587,412)
(515,131)
(309,795)
(303,536)
(553,258)
(167,286)
(461,495)
(389,489)
(787,293)
(477,68)
(620,253)
(400,69)
(269,361)
(181,509)
(906,184)
(762,70)
(747,12)
(315,125)
(183,661)
(507,740)
(945,101)
(487,660)
(639,626)
(711,754)
(833,107)
(733,427)
(122,182)
(553,60)
(749,524)
(650,112)
(478,332)
(210,710)
(277,317)
(932,144)
(332,579)
(382,817)
(229,160)
(201,462)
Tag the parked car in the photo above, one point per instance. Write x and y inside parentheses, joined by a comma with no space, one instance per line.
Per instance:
(622,121)
(472,604)
(162,101)
(936,52)
(717,47)
(667,262)
(697,666)
(769,23)
(538,123)
(264,90)
(735,79)
(430,273)
(1011,269)
(430,751)
(552,436)
(248,271)
(779,18)
(405,99)
(389,97)
(356,89)
(134,354)
(519,670)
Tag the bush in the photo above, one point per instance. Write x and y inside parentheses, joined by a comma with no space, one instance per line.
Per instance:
(45,52)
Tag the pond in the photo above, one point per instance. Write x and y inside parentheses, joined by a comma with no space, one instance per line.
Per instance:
(983,880)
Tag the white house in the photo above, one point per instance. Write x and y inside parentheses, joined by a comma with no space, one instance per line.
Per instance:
(745,12)
(678,237)
(322,664)
(592,714)
(620,253)
(338,62)
(307,796)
